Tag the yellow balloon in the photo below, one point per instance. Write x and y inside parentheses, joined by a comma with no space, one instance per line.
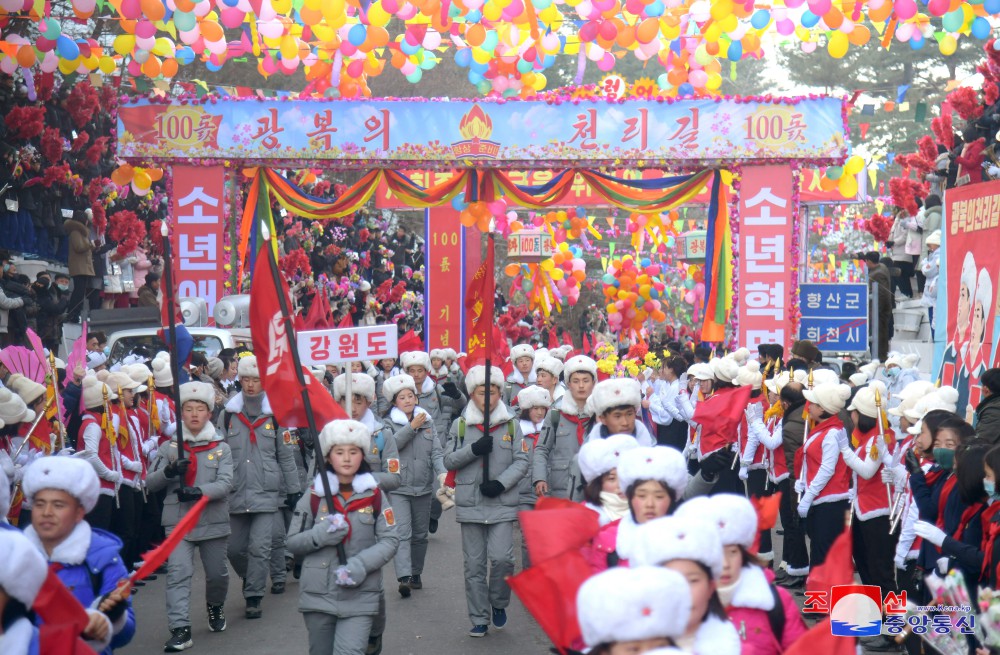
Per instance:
(481,56)
(282,6)
(107,65)
(713,32)
(729,23)
(848,185)
(68,66)
(948,45)
(163,47)
(539,82)
(854,165)
(334,8)
(714,81)
(91,62)
(289,47)
(837,45)
(124,44)
(721,9)
(492,11)
(378,16)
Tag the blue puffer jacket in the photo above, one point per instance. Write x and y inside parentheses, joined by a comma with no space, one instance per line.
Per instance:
(90,559)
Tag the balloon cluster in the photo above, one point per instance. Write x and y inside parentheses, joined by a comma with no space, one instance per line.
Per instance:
(843,178)
(140,179)
(658,230)
(553,283)
(480,213)
(633,290)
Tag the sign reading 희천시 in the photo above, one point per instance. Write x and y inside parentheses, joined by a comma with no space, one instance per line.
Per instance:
(834,316)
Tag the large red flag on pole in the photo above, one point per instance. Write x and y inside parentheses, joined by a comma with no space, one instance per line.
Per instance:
(479,311)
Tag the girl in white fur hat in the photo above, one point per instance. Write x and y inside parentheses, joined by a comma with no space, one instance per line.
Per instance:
(598,462)
(654,480)
(339,601)
(533,404)
(693,548)
(523,375)
(766,617)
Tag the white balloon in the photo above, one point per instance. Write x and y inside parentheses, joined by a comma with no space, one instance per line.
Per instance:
(49,62)
(8,65)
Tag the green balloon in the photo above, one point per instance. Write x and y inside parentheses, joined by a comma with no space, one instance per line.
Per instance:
(952,21)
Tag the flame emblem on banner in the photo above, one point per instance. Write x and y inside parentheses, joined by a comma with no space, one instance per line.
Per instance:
(476,129)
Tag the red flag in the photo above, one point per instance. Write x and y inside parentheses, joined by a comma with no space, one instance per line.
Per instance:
(548,591)
(318,317)
(154,558)
(587,348)
(568,339)
(767,515)
(347,321)
(62,639)
(57,605)
(836,569)
(479,309)
(556,526)
(273,346)
(553,341)
(719,415)
(820,640)
(410,341)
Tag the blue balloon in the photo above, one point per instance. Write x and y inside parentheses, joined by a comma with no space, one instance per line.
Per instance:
(760,19)
(405,47)
(685,90)
(464,56)
(992,6)
(735,52)
(917,42)
(474,16)
(809,19)
(67,48)
(231,3)
(475,77)
(213,67)
(478,67)
(655,9)
(184,55)
(981,28)
(357,35)
(458,202)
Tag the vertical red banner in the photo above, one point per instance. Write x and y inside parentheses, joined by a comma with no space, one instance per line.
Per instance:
(765,261)
(444,284)
(198,210)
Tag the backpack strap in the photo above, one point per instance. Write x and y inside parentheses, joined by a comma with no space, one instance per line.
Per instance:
(380,440)
(461,432)
(511,429)
(776,615)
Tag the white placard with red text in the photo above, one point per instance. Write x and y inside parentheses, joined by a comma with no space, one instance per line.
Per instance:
(198,205)
(765,260)
(354,344)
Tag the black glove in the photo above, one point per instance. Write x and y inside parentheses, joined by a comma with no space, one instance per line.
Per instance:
(451,390)
(178,467)
(491,489)
(890,244)
(116,610)
(483,446)
(912,463)
(189,494)
(291,500)
(717,461)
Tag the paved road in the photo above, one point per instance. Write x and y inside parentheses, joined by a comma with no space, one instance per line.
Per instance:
(431,622)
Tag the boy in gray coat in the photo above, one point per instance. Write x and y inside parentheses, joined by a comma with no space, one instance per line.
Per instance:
(205,470)
(486,505)
(340,601)
(260,468)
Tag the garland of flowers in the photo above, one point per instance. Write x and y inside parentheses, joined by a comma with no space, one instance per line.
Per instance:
(794,311)
(734,226)
(127,230)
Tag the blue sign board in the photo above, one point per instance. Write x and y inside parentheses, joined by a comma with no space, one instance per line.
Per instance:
(834,316)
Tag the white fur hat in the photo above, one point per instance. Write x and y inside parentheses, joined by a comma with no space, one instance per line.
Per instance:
(916,428)
(247,367)
(121,379)
(778,382)
(542,352)
(561,352)
(864,399)
(733,515)
(344,432)
(140,373)
(859,379)
(534,396)
(397,383)
(945,398)
(984,296)
(579,364)
(725,369)
(660,463)
(750,375)
(871,368)
(162,377)
(437,353)
(93,393)
(934,238)
(900,409)
(200,391)
(96,359)
(598,456)
(911,360)
(616,392)
(701,371)
(969,274)
(894,360)
(823,376)
(522,350)
(832,397)
(13,409)
(73,475)
(549,364)
(671,538)
(916,390)
(449,353)
(742,356)
(632,604)
(362,384)
(26,388)
(415,358)
(476,377)
(22,568)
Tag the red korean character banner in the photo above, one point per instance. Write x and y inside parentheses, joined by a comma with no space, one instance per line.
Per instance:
(198,210)
(763,253)
(444,269)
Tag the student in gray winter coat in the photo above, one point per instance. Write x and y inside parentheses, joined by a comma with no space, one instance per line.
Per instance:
(383,456)
(340,601)
(260,468)
(486,505)
(533,405)
(421,461)
(523,375)
(554,467)
(205,470)
(385,369)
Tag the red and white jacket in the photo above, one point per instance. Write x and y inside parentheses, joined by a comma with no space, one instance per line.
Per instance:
(746,433)
(168,417)
(100,451)
(133,459)
(868,497)
(826,477)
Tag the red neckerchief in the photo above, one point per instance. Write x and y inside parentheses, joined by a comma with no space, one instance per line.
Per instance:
(352,506)
(991,530)
(533,436)
(932,477)
(192,468)
(967,516)
(253,426)
(581,426)
(949,486)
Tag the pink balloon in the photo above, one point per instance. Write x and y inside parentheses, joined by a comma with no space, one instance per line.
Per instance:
(131,9)
(689,297)
(145,29)
(607,62)
(905,9)
(232,18)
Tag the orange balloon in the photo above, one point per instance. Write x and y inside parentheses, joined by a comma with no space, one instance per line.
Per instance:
(168,69)
(511,269)
(374,67)
(475,34)
(211,30)
(153,9)
(310,16)
(151,68)
(859,35)
(122,175)
(156,174)
(483,223)
(881,13)
(466,218)
(751,42)
(626,36)
(712,48)
(677,76)
(379,36)
(26,56)
(184,5)
(647,31)
(833,18)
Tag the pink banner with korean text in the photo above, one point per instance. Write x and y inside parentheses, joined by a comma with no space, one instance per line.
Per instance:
(764,239)
(198,208)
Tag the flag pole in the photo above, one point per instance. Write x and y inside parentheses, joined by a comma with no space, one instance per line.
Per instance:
(175,367)
(490,245)
(306,402)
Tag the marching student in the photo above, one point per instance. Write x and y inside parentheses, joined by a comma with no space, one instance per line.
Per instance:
(205,470)
(454,370)
(439,371)
(339,602)
(671,425)
(553,469)
(692,548)
(755,459)
(486,507)
(533,404)
(617,403)
(98,443)
(260,470)
(824,484)
(15,415)
(790,428)
(523,375)
(163,397)
(62,491)
(654,481)
(547,372)
(421,461)
(383,456)
(766,617)
(598,461)
(385,369)
(631,611)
